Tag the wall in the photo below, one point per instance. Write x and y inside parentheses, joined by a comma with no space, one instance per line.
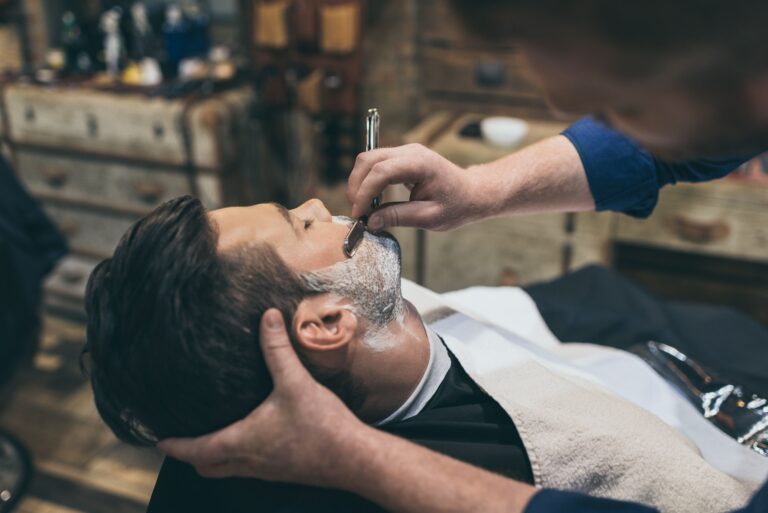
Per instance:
(391,76)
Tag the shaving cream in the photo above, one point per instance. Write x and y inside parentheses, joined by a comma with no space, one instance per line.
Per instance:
(371,281)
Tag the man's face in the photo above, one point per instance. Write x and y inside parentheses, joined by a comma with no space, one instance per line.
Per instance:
(310,242)
(306,238)
(657,110)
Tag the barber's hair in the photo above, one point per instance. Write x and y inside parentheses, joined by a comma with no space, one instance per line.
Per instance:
(173,326)
(729,35)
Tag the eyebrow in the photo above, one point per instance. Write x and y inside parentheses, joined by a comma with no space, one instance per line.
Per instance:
(286,214)
(283,211)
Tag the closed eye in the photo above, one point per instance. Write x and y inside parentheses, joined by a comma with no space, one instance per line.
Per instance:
(308,223)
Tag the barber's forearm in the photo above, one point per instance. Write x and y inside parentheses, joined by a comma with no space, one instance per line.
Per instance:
(545,177)
(406,478)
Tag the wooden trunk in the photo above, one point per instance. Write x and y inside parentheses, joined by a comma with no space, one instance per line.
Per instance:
(98,161)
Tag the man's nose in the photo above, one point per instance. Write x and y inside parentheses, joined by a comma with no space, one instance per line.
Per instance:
(315,209)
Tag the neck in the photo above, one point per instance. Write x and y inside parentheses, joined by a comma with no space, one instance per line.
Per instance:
(391,376)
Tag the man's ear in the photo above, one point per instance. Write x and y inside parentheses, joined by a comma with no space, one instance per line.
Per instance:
(324,323)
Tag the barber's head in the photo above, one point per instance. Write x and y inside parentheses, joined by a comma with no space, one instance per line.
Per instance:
(684,78)
(173,316)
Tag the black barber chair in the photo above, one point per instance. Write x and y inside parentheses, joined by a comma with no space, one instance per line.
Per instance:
(29,248)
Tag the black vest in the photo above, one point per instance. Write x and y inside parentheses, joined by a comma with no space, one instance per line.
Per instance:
(460,421)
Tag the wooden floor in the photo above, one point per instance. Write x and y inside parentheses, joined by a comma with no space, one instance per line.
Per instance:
(80,467)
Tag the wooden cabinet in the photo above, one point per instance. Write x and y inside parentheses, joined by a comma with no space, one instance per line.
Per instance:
(706,243)
(127,126)
(112,184)
(98,161)
(500,251)
(723,218)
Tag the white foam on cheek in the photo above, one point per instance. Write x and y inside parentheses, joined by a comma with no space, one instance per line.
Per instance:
(371,281)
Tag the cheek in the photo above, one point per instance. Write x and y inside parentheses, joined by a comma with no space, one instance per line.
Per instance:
(321,248)
(331,240)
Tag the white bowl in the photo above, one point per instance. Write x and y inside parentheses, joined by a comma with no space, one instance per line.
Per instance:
(504,132)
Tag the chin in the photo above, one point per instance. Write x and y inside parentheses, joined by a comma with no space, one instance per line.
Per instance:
(389,242)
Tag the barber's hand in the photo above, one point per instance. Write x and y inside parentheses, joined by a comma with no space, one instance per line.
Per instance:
(443,195)
(296,435)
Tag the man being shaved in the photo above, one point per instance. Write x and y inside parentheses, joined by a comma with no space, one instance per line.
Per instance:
(173,350)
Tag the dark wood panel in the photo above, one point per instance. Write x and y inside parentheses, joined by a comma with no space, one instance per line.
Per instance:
(441,26)
(483,74)
(74,496)
(739,284)
(489,105)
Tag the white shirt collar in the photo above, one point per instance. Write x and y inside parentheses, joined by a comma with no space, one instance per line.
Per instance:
(437,368)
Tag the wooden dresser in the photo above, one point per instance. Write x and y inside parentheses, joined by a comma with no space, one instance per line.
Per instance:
(704,243)
(98,161)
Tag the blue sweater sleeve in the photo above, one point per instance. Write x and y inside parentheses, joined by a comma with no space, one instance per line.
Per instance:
(555,501)
(624,177)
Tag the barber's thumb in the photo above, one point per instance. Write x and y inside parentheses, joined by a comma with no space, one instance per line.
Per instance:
(407,213)
(386,217)
(273,320)
(279,355)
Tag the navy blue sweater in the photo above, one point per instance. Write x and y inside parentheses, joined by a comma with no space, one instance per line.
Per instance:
(624,177)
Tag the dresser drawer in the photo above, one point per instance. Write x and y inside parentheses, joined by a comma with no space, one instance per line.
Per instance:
(129,126)
(474,72)
(501,251)
(703,221)
(110,184)
(64,289)
(69,279)
(90,232)
(78,120)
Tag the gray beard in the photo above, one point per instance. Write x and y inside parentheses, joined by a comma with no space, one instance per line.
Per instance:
(371,281)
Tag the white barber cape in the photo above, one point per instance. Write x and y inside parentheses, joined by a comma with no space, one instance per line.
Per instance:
(592,419)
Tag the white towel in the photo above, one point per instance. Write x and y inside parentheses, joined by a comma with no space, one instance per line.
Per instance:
(578,434)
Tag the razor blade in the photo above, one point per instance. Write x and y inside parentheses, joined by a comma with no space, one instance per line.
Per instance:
(357,232)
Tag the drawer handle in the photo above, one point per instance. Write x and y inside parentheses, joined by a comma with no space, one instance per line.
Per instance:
(158,130)
(55,177)
(68,227)
(92,125)
(491,73)
(149,192)
(699,232)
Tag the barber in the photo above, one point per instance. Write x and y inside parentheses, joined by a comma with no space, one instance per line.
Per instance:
(668,80)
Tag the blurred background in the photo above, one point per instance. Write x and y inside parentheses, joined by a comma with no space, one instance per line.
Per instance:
(109,108)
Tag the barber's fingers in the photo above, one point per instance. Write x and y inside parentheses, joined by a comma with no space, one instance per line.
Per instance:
(363,165)
(208,450)
(209,463)
(398,170)
(218,471)
(412,214)
(284,365)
